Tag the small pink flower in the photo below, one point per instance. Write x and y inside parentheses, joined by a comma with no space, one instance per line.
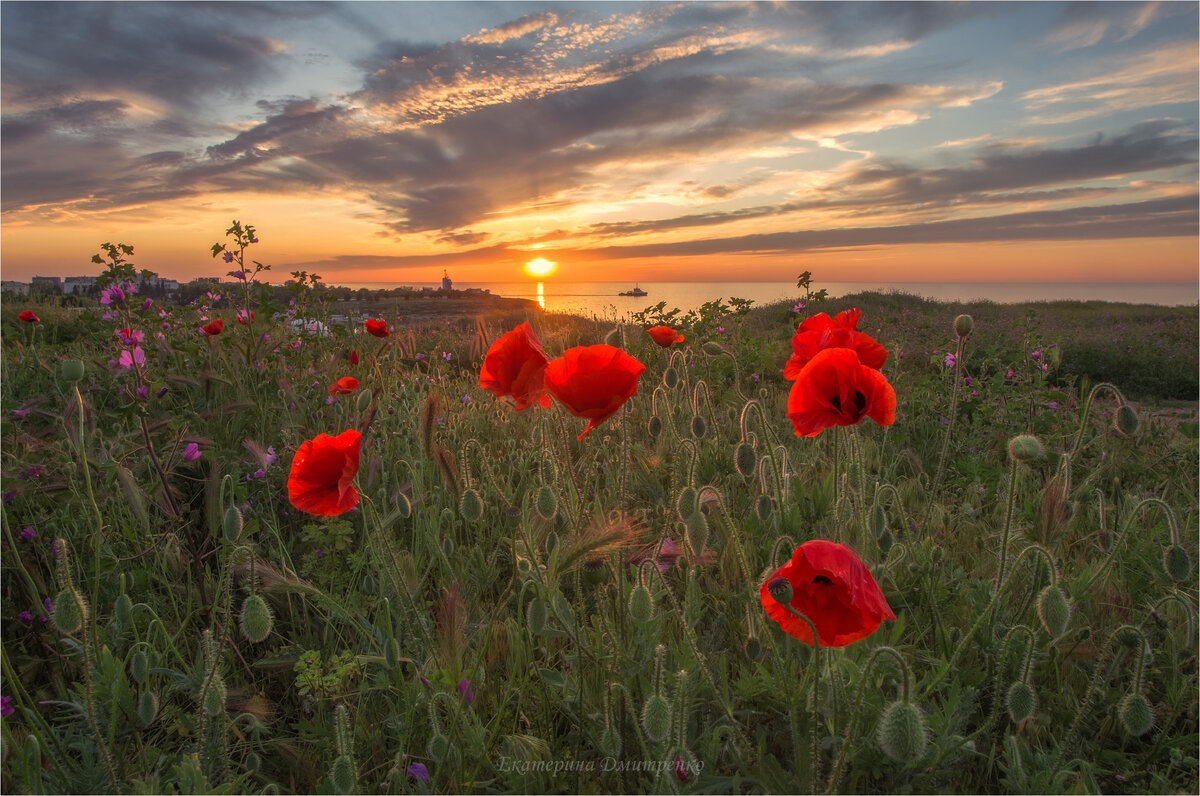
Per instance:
(192,452)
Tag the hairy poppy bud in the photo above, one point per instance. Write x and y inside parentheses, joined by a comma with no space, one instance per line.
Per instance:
(139,666)
(1054,611)
(781,590)
(403,505)
(70,611)
(885,541)
(470,505)
(233,524)
(72,370)
(364,401)
(256,619)
(745,459)
(214,696)
(686,504)
(654,426)
(439,745)
(963,325)
(763,507)
(670,378)
(699,427)
(147,708)
(641,604)
(341,776)
(901,732)
(1026,448)
(1135,713)
(547,502)
(878,520)
(697,533)
(753,648)
(713,349)
(535,615)
(1177,563)
(1021,701)
(656,717)
(1127,420)
(123,610)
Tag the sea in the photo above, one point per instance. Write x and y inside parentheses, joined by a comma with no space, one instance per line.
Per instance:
(601,299)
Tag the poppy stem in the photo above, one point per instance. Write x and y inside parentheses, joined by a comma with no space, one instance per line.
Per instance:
(1172,529)
(1087,408)
(864,677)
(940,472)
(1008,513)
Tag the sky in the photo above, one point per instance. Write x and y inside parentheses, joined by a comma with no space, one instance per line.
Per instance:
(727,141)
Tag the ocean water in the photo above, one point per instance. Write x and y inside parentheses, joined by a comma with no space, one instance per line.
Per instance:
(601,299)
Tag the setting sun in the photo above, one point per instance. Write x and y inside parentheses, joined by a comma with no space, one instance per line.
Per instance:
(540,267)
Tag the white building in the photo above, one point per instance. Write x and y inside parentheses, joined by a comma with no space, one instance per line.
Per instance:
(17,288)
(78,284)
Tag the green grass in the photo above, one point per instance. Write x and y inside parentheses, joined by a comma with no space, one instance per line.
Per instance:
(492,547)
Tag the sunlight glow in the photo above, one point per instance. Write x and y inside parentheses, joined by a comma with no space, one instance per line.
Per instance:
(540,267)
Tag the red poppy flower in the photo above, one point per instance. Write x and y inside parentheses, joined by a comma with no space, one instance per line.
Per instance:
(29,317)
(376,327)
(836,389)
(834,589)
(820,332)
(322,471)
(515,365)
(344,385)
(664,335)
(353,357)
(593,381)
(216,327)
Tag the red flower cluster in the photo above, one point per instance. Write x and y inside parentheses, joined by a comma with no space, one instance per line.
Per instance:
(664,335)
(29,317)
(344,386)
(590,381)
(353,357)
(376,327)
(323,470)
(836,370)
(514,366)
(214,327)
(833,588)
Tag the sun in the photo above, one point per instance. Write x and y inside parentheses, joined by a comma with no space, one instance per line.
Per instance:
(540,267)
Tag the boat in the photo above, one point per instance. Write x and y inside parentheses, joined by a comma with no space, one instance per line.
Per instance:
(637,291)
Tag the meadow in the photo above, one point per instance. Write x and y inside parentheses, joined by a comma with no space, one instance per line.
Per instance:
(493,603)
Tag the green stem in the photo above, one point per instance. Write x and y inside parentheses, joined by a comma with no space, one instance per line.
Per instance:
(941,465)
(1172,528)
(864,677)
(1008,512)
(1087,408)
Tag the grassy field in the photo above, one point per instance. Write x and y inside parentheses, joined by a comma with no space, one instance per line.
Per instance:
(511,609)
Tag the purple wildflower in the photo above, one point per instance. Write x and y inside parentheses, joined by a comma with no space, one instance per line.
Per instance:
(7,709)
(143,392)
(1036,355)
(466,692)
(19,413)
(466,399)
(49,606)
(271,457)
(949,361)
(25,616)
(227,257)
(28,535)
(33,472)
(192,452)
(967,381)
(1010,374)
(147,304)
(415,770)
(421,677)
(163,391)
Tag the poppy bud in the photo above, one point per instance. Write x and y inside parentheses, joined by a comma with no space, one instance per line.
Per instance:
(885,541)
(551,542)
(256,620)
(1136,715)
(901,732)
(253,762)
(1021,701)
(1054,611)
(745,459)
(1177,563)
(233,524)
(713,348)
(470,506)
(367,585)
(763,507)
(878,520)
(699,427)
(781,590)
(122,610)
(535,615)
(364,401)
(1128,637)
(562,610)
(641,604)
(547,502)
(654,427)
(70,611)
(753,649)
(687,504)
(438,746)
(341,776)
(72,370)
(214,696)
(448,547)
(147,708)
(656,717)
(139,666)
(1026,448)
(697,533)
(670,378)
(963,325)
(1127,420)
(403,505)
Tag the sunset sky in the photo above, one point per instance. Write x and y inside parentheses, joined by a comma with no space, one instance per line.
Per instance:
(627,141)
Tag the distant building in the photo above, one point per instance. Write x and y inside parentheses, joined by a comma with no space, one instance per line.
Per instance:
(159,282)
(447,284)
(78,284)
(16,288)
(47,280)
